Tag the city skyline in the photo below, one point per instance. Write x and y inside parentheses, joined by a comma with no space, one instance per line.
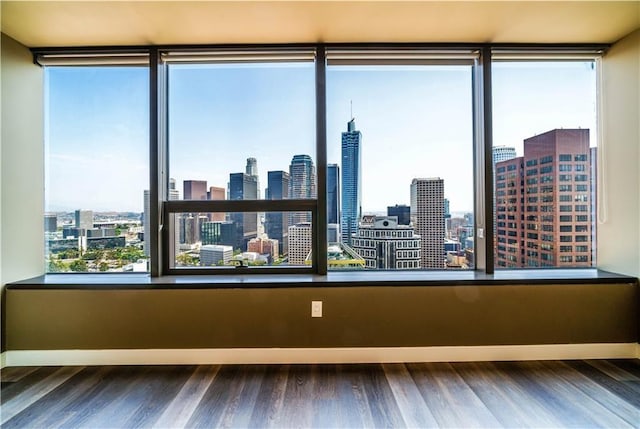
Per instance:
(109,108)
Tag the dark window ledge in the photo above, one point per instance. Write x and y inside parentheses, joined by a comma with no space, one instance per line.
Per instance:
(333,279)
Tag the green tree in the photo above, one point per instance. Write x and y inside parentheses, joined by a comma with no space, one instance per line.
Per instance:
(57,266)
(187,260)
(79,265)
(103,266)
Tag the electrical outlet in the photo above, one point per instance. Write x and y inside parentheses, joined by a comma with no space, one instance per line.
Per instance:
(316,308)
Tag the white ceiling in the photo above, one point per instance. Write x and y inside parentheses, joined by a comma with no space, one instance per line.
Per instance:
(95,23)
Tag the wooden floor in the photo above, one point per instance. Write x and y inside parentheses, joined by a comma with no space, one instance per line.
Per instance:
(604,393)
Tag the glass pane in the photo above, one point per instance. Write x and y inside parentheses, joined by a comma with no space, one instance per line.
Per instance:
(216,239)
(97,168)
(232,127)
(400,174)
(544,129)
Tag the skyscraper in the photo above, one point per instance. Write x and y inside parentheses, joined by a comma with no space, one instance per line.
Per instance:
(351,181)
(503,153)
(244,187)
(277,223)
(216,193)
(194,190)
(252,170)
(402,212)
(84,219)
(333,193)
(174,194)
(553,197)
(427,218)
(385,244)
(302,184)
(300,242)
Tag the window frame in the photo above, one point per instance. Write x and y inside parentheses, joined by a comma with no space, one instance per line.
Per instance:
(161,207)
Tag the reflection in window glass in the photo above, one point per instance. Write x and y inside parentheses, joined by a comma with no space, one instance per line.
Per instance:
(544,113)
(96,162)
(401,141)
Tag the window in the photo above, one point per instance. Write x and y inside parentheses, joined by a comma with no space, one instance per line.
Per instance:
(393,127)
(248,138)
(550,125)
(241,129)
(96,166)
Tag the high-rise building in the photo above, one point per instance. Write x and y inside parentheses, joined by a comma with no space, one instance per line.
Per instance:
(195,189)
(216,193)
(385,244)
(218,233)
(264,246)
(333,193)
(84,219)
(252,170)
(302,184)
(427,218)
(402,212)
(213,254)
(351,181)
(503,153)
(244,187)
(300,242)
(500,153)
(50,222)
(277,223)
(552,210)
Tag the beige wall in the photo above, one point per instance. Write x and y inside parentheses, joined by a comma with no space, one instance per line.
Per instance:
(352,317)
(22,173)
(21,166)
(619,193)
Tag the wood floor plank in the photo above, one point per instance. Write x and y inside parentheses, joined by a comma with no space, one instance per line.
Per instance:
(578,404)
(414,411)
(503,397)
(620,389)
(54,408)
(210,408)
(35,392)
(476,394)
(384,409)
(13,374)
(298,412)
(595,391)
(11,390)
(158,389)
(353,409)
(237,413)
(451,401)
(270,399)
(564,412)
(326,409)
(101,397)
(181,408)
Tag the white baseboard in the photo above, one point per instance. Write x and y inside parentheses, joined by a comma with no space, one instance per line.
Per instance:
(2,360)
(319,355)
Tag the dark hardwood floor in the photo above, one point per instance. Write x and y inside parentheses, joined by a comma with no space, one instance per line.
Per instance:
(584,394)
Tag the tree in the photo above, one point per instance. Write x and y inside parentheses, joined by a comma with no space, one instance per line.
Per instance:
(103,266)
(79,265)
(57,266)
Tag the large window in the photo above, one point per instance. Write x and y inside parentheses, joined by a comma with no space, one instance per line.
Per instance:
(304,159)
(97,168)
(400,135)
(241,128)
(544,115)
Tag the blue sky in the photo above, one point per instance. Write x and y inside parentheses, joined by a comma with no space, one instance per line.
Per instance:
(415,122)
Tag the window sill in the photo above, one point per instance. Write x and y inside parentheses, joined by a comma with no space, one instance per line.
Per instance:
(332,279)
